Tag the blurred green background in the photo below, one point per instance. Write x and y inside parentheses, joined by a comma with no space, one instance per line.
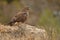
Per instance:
(44,13)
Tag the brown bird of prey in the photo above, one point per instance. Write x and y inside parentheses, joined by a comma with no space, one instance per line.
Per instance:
(20,16)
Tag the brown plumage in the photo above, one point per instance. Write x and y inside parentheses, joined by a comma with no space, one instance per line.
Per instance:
(20,17)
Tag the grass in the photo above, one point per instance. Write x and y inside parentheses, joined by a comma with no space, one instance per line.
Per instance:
(50,23)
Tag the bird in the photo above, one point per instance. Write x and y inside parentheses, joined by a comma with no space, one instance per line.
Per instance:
(20,16)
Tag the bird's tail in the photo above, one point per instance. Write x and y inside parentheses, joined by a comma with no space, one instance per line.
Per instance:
(10,23)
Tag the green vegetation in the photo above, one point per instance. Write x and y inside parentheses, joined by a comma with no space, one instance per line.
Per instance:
(50,23)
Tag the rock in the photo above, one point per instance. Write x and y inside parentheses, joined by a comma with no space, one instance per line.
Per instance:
(22,32)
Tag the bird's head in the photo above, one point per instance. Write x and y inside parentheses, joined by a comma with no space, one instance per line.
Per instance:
(26,9)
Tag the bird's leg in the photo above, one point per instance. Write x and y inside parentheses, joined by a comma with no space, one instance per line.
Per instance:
(15,24)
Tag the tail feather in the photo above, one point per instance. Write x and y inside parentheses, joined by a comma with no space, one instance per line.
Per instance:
(11,23)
